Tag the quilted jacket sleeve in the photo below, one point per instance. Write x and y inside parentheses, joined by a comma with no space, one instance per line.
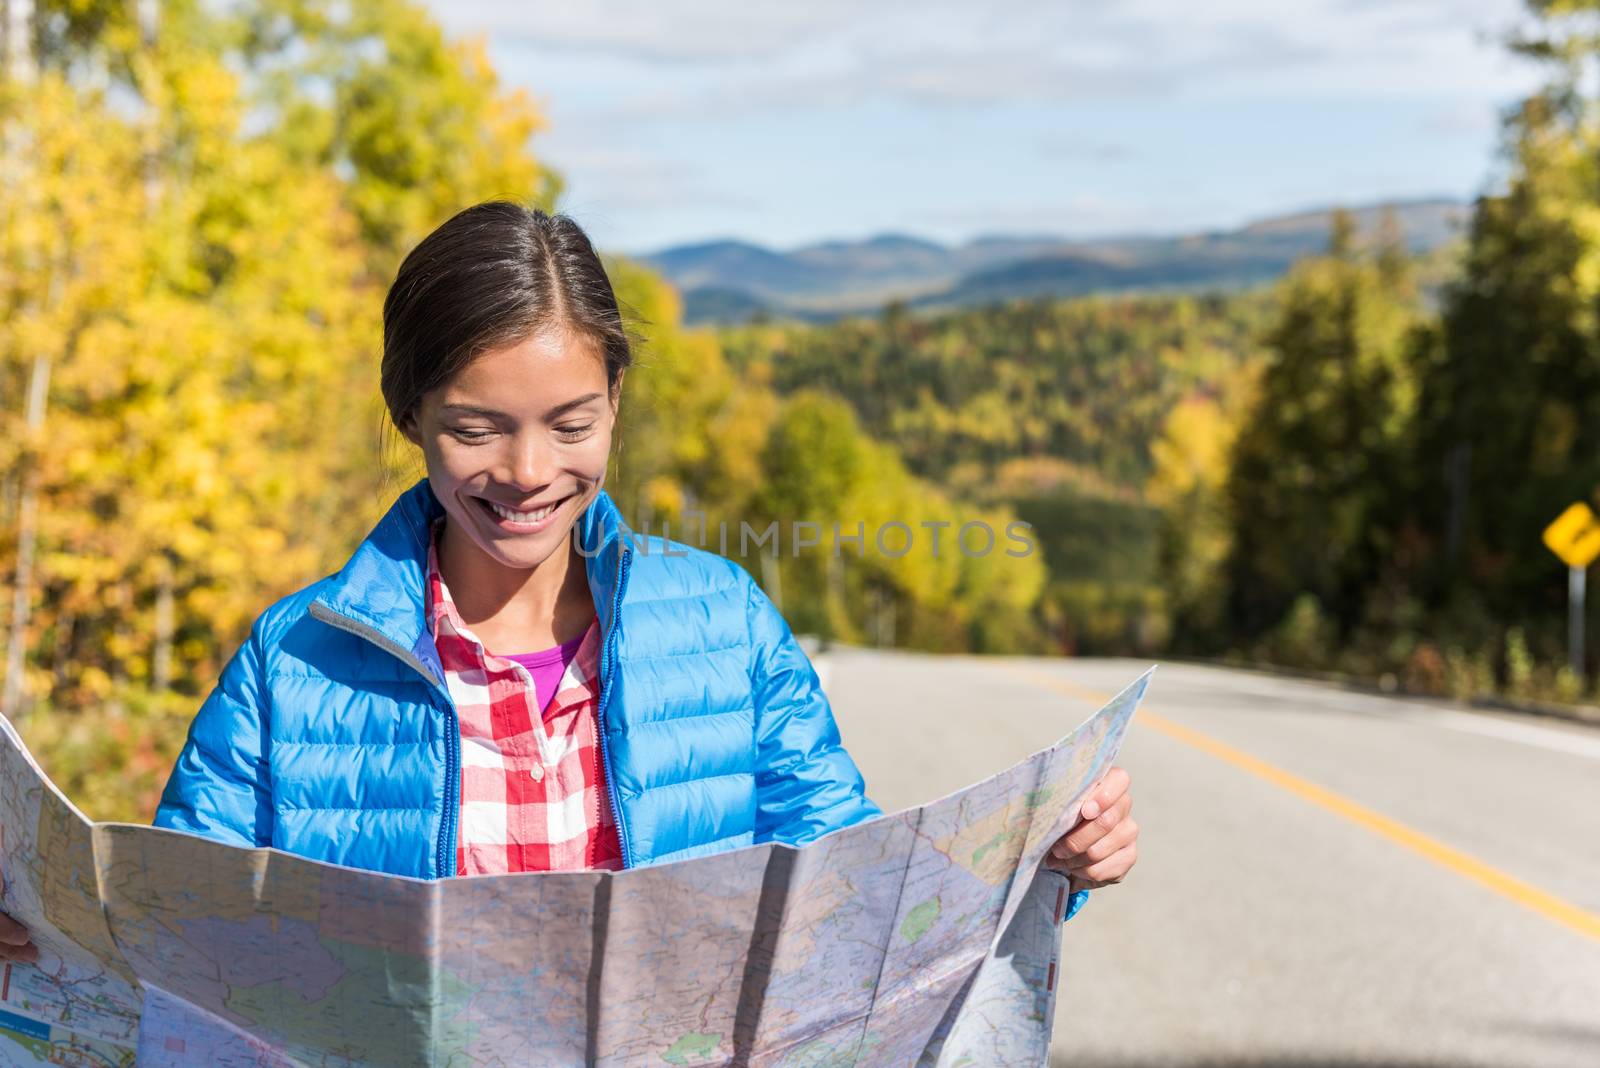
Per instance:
(220,785)
(806,784)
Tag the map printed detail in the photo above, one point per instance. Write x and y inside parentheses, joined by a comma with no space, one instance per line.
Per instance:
(929,937)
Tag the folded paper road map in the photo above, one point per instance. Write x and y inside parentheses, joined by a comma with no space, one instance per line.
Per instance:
(928,936)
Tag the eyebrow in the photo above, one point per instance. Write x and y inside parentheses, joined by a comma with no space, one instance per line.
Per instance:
(554,413)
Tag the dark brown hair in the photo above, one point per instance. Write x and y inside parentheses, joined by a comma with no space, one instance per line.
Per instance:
(491,276)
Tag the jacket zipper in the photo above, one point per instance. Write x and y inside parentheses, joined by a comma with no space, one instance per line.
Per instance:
(605,698)
(444,854)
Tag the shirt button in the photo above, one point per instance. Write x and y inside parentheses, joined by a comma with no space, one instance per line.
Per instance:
(536,773)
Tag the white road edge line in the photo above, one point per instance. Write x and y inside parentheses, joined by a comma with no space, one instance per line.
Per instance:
(1527,734)
(1572,743)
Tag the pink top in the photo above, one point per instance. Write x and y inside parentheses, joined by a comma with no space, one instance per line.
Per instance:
(547,666)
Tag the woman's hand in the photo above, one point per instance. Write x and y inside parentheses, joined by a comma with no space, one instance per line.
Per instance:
(14,942)
(1101,847)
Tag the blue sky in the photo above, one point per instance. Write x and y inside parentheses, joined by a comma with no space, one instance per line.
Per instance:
(690,120)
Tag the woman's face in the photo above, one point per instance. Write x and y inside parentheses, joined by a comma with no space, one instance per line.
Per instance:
(519,430)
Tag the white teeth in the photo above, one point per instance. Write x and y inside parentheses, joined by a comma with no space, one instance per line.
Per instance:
(522,517)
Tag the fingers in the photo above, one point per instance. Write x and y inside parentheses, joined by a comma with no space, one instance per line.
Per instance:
(1105,792)
(14,941)
(1090,875)
(1086,834)
(12,933)
(28,954)
(1078,882)
(1055,863)
(1110,857)
(1108,872)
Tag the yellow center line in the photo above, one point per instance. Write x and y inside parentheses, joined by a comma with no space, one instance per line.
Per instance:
(1507,886)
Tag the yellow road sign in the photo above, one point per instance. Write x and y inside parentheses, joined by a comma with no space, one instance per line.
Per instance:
(1575,536)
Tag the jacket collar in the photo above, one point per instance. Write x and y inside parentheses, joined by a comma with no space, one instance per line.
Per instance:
(383,587)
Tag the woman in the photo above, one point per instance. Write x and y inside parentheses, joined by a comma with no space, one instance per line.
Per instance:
(502,678)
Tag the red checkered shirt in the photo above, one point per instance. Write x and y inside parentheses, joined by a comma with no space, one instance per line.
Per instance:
(533,793)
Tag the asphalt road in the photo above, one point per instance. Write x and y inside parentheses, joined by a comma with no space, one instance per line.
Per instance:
(1324,878)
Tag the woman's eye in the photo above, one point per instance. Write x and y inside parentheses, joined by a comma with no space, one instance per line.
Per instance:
(472,435)
(572,433)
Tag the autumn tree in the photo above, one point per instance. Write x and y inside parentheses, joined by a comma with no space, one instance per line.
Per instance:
(189,349)
(1308,482)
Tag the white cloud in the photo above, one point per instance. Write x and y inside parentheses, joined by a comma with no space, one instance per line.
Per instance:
(744,57)
(628,179)
(1461,120)
(671,31)
(661,110)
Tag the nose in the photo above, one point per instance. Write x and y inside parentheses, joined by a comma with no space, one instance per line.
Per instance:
(530,464)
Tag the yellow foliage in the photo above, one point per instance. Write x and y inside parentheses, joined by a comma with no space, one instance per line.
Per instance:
(197,255)
(205,293)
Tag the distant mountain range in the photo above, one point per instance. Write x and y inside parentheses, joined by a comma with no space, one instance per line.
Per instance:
(730,281)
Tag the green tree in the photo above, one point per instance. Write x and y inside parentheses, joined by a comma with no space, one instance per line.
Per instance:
(1308,486)
(1510,393)
(1188,484)
(191,281)
(417,124)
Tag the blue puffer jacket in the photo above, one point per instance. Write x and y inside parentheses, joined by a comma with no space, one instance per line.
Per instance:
(331,735)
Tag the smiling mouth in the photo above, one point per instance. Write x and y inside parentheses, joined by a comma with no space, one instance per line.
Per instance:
(537,515)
